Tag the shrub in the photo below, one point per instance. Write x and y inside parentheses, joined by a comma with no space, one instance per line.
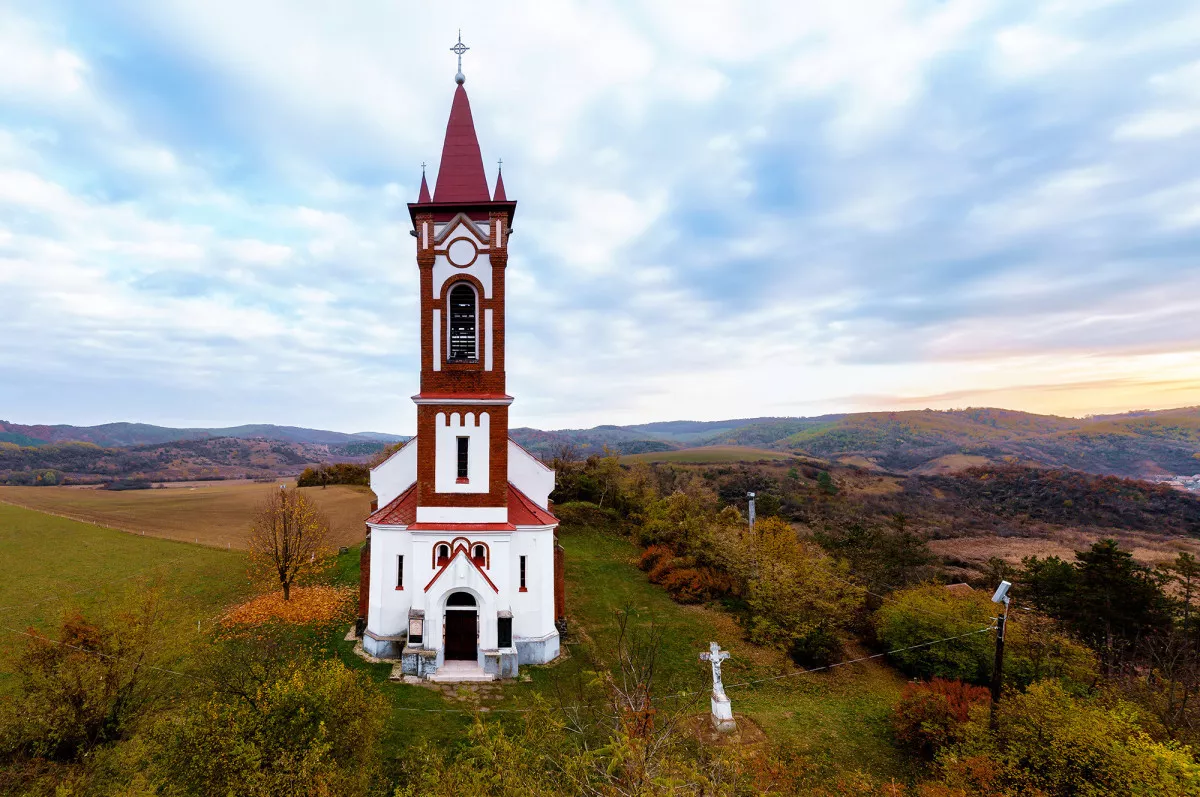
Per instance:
(1036,648)
(931,716)
(653,555)
(88,688)
(1051,743)
(816,648)
(658,574)
(695,585)
(309,728)
(585,513)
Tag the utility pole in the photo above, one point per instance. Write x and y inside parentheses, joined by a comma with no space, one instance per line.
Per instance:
(1001,596)
(750,503)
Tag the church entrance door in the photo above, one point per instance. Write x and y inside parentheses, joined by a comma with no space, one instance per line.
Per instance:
(462,627)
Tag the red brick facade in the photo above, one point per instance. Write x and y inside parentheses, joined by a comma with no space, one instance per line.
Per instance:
(497,494)
(453,382)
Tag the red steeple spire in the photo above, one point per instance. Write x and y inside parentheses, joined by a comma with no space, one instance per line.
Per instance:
(499,197)
(424,195)
(460,176)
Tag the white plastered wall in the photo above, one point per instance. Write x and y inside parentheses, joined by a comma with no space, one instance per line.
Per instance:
(529,475)
(395,474)
(475,427)
(533,610)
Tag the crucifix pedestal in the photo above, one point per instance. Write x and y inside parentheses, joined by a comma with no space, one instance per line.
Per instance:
(722,709)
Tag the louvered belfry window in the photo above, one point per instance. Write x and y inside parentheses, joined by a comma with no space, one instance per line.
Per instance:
(462,324)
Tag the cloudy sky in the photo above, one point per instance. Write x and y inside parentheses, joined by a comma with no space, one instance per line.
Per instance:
(779,209)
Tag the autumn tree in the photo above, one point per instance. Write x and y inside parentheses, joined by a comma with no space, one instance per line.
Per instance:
(796,597)
(287,537)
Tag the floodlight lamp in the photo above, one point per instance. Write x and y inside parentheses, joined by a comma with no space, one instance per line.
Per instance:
(749,495)
(1001,595)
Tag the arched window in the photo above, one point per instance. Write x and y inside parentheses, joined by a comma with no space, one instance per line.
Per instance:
(480,555)
(462,324)
(461,599)
(443,553)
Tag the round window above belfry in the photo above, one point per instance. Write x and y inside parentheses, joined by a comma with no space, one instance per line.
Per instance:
(461,252)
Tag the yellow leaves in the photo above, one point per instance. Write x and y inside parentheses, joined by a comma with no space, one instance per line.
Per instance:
(317,605)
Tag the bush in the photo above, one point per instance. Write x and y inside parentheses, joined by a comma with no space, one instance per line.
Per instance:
(815,648)
(1051,743)
(1035,646)
(88,688)
(585,513)
(308,728)
(661,570)
(931,716)
(337,473)
(695,585)
(653,555)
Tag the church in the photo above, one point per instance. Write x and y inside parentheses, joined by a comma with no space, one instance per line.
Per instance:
(462,574)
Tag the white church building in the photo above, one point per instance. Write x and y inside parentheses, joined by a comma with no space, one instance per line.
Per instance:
(461,575)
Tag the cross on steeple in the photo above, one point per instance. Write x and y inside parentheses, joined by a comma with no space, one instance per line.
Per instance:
(459,49)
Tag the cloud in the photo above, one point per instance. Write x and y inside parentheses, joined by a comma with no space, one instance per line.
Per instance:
(724,211)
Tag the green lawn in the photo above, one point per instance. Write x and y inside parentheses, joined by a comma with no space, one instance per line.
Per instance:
(52,565)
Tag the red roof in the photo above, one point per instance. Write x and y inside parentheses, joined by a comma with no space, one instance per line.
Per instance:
(402,511)
(460,176)
(522,511)
(424,195)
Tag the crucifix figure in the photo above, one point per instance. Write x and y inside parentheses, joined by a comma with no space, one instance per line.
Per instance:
(722,711)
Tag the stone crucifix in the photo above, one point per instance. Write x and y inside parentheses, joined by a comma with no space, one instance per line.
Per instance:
(722,709)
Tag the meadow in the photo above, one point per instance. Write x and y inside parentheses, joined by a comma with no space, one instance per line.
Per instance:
(54,565)
(209,513)
(837,718)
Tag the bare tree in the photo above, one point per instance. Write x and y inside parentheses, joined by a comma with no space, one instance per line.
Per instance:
(287,537)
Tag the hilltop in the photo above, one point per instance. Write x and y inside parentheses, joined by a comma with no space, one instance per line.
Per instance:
(1141,444)
(1136,444)
(111,435)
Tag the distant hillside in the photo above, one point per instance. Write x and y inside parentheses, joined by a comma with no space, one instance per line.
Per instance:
(140,434)
(180,460)
(1137,444)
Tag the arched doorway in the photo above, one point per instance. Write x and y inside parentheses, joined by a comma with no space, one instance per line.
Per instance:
(462,627)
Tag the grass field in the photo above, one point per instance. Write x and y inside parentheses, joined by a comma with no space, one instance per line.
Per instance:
(837,718)
(52,565)
(210,513)
(708,454)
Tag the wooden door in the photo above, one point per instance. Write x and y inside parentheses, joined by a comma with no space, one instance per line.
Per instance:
(461,635)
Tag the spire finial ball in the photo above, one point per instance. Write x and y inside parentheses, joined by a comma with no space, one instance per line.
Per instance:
(460,78)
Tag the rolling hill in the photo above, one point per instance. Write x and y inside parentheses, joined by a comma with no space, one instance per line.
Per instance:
(1137,444)
(111,435)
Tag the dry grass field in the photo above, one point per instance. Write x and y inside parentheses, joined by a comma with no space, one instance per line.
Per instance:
(708,454)
(1149,549)
(210,513)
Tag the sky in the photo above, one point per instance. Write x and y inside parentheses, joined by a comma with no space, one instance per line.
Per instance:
(724,210)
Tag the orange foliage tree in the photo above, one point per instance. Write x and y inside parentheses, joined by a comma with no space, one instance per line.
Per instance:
(287,537)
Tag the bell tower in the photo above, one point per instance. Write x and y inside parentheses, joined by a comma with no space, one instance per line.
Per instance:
(462,409)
